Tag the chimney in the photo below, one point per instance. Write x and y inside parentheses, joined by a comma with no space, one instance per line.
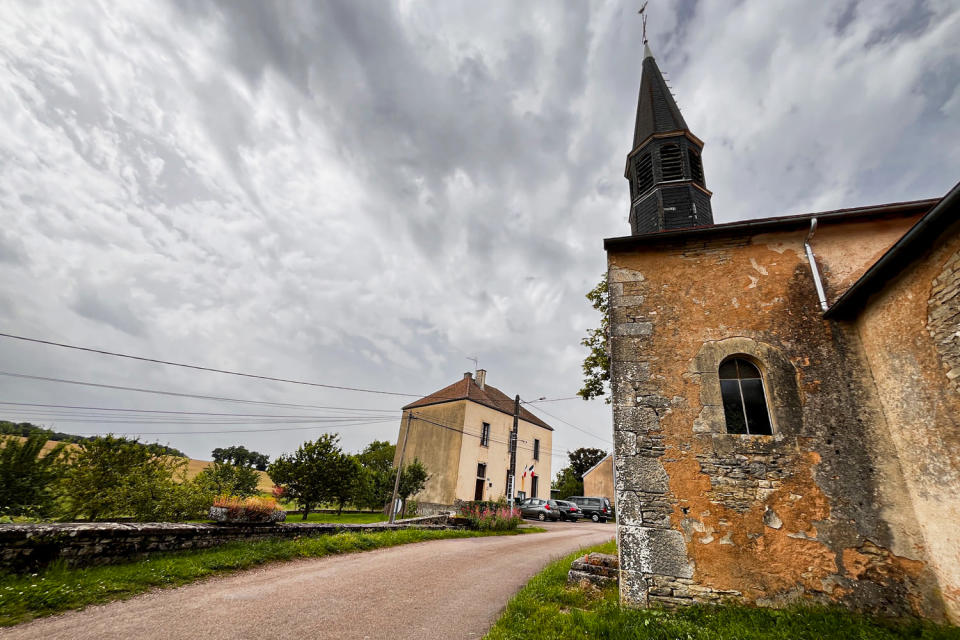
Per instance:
(481,377)
(467,375)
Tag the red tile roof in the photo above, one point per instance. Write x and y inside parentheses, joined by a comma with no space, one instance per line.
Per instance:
(468,389)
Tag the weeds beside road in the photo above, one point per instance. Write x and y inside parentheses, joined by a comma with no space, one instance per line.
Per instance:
(24,597)
(548,609)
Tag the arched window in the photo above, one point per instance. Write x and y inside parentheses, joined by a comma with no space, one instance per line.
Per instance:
(696,167)
(744,402)
(671,162)
(643,167)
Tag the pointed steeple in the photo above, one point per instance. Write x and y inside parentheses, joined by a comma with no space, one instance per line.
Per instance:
(667,188)
(657,111)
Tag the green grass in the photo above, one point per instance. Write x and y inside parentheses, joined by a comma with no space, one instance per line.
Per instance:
(23,597)
(547,609)
(344,518)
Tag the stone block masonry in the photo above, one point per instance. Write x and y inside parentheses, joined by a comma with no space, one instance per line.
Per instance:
(29,547)
(817,511)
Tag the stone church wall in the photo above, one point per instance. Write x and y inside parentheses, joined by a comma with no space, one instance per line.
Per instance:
(911,335)
(820,509)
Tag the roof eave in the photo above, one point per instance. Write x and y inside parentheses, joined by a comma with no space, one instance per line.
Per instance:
(781,223)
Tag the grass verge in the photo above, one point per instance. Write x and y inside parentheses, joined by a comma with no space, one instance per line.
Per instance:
(547,609)
(24,597)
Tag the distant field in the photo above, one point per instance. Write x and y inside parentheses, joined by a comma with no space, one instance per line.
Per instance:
(193,466)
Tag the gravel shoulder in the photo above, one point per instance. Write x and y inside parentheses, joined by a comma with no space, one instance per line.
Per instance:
(444,588)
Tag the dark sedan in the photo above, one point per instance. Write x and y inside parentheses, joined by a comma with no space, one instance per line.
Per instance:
(569,511)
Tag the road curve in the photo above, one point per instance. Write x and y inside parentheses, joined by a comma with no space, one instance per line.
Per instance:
(438,589)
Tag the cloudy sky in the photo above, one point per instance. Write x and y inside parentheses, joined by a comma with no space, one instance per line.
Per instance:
(364,193)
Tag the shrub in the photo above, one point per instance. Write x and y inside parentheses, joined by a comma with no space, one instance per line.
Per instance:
(249,509)
(486,518)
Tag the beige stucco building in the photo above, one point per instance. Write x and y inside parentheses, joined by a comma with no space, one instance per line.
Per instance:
(598,480)
(462,436)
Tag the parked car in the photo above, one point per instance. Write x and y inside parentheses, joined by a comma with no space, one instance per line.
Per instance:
(596,508)
(569,511)
(540,509)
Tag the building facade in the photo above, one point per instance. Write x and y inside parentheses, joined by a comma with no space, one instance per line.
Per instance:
(462,436)
(598,480)
(786,408)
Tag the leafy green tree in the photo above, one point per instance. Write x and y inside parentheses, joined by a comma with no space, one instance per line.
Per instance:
(582,459)
(375,484)
(567,483)
(346,474)
(242,457)
(111,476)
(309,475)
(596,366)
(26,429)
(413,479)
(224,479)
(28,475)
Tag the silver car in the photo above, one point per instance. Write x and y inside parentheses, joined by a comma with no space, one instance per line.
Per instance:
(540,509)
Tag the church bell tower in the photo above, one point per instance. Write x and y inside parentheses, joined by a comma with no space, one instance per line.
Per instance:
(667,188)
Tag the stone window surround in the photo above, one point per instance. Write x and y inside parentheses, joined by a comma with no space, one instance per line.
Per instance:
(779,384)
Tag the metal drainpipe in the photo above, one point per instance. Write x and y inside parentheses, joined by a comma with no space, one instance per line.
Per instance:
(813,266)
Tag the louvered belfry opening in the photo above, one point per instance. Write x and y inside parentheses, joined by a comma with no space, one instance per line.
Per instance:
(644,170)
(664,170)
(696,168)
(671,162)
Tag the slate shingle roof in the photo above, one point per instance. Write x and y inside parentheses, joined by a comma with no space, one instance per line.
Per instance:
(468,389)
(657,111)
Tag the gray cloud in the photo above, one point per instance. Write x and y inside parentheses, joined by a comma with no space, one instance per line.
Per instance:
(366,193)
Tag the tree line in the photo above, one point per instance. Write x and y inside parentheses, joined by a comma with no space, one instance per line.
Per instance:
(107,477)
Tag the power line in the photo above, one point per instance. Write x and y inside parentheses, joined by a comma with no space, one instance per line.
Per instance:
(569,424)
(190,433)
(201,413)
(202,368)
(166,393)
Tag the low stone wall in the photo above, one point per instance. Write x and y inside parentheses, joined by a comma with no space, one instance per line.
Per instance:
(28,547)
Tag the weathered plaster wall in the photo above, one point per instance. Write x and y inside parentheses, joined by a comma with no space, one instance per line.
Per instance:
(911,336)
(497,455)
(820,509)
(437,448)
(599,481)
(845,250)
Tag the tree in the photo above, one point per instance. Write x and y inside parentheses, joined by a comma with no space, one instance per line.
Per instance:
(242,457)
(596,366)
(567,483)
(28,475)
(26,429)
(310,474)
(110,477)
(375,484)
(413,479)
(224,479)
(582,459)
(346,478)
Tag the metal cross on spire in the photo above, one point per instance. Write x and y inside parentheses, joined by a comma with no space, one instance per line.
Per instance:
(643,15)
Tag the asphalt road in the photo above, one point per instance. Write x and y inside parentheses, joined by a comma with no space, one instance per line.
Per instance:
(438,589)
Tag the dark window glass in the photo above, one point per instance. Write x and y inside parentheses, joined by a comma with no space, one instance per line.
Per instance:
(533,485)
(485,435)
(670,162)
(744,402)
(536,449)
(481,470)
(643,167)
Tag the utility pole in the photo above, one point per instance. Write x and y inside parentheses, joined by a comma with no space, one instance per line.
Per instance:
(512,483)
(396,482)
